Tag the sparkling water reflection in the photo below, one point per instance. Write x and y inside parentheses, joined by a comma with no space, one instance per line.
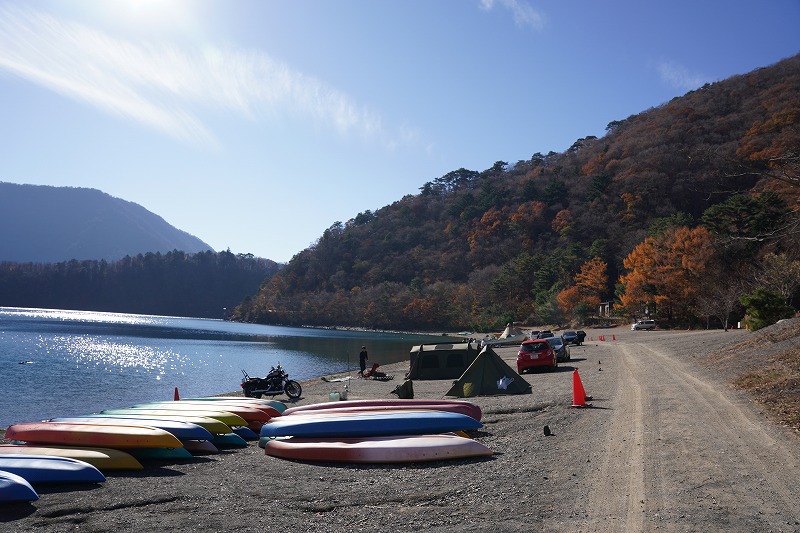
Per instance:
(65,363)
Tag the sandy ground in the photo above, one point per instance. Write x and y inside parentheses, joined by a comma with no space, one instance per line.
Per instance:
(666,446)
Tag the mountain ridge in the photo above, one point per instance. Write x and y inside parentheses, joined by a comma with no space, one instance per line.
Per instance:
(49,224)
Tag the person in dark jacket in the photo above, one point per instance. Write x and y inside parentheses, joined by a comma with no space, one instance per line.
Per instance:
(362,360)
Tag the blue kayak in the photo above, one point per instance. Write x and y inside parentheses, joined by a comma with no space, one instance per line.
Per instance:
(14,488)
(369,424)
(50,469)
(181,430)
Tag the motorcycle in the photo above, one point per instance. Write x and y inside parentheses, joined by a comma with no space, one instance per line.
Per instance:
(276,382)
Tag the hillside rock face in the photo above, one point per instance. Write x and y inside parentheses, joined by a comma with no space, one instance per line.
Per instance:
(44,224)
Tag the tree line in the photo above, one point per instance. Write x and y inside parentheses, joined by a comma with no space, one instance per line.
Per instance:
(205,284)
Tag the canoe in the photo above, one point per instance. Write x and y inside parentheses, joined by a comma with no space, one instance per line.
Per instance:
(393,449)
(182,430)
(102,458)
(370,424)
(230,440)
(226,404)
(211,425)
(245,432)
(279,406)
(474,410)
(50,469)
(251,414)
(229,419)
(160,454)
(14,488)
(464,408)
(92,435)
(200,447)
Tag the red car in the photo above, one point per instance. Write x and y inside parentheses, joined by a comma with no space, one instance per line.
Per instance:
(536,353)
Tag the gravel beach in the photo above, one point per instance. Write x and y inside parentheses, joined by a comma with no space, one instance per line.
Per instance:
(667,445)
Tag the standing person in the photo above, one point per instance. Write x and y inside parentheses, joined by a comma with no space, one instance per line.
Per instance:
(362,360)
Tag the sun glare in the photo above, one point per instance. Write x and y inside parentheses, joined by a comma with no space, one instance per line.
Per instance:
(174,16)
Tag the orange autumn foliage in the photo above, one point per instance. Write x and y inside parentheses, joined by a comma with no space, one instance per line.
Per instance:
(590,284)
(667,269)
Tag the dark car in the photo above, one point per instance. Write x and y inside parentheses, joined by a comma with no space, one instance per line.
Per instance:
(573,337)
(569,337)
(545,333)
(536,353)
(561,349)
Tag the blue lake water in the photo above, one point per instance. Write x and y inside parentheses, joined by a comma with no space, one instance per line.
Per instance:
(66,363)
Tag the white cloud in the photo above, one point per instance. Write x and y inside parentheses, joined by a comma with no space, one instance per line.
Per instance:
(524,14)
(679,76)
(163,86)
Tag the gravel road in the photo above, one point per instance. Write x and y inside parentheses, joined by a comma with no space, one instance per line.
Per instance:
(666,445)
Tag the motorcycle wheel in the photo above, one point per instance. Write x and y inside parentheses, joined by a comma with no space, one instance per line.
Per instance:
(293,389)
(246,391)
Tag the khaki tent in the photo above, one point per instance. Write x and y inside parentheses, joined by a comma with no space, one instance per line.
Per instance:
(488,375)
(441,361)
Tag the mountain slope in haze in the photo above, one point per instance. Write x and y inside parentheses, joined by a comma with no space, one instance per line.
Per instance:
(43,224)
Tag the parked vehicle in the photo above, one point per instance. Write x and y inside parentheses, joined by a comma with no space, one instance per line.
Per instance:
(573,337)
(561,349)
(536,353)
(643,324)
(569,337)
(545,333)
(276,382)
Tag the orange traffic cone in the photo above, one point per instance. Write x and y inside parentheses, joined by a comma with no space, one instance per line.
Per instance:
(578,394)
(176,394)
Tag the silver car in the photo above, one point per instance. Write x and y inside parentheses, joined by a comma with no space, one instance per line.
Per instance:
(643,324)
(561,349)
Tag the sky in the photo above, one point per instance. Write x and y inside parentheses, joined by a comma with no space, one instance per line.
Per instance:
(257,124)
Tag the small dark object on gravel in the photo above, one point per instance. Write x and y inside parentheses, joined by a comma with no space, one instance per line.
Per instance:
(547,431)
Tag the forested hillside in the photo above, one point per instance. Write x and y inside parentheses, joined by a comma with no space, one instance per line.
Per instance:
(678,212)
(205,284)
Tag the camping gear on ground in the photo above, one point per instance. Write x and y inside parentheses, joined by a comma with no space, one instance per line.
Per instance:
(369,424)
(488,375)
(50,469)
(441,361)
(276,382)
(92,435)
(404,391)
(391,449)
(456,406)
(102,458)
(374,373)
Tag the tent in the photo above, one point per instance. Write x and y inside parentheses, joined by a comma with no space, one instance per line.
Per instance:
(441,361)
(488,375)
